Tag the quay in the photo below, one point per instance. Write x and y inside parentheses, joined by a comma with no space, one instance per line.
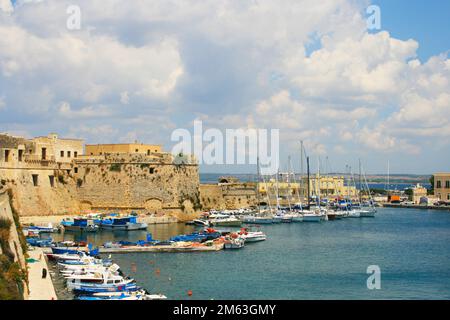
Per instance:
(40,288)
(415,206)
(137,249)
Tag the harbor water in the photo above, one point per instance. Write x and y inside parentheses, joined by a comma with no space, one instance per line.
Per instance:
(327,260)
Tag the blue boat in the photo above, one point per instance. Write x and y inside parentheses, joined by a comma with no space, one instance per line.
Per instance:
(129,223)
(38,242)
(80,224)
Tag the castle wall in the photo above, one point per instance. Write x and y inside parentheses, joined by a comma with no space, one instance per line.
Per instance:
(228,196)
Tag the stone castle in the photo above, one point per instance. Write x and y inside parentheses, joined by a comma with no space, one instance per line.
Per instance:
(54,176)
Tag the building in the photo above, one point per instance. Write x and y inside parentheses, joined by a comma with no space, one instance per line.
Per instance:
(48,175)
(59,150)
(419,193)
(442,186)
(128,148)
(330,187)
(18,151)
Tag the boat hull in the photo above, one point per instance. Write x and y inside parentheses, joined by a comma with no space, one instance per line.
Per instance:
(124,227)
(312,218)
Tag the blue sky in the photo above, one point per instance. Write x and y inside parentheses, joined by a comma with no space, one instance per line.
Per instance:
(427,21)
(308,68)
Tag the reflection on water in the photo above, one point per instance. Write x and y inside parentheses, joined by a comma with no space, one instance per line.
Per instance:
(158,231)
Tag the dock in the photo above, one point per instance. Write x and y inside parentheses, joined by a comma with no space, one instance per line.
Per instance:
(40,288)
(156,249)
(416,206)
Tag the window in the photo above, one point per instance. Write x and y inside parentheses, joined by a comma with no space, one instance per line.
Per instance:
(35,179)
(438,184)
(148,152)
(7,155)
(137,150)
(20,155)
(44,153)
(62,154)
(75,154)
(152,170)
(52,181)
(68,154)
(448,196)
(447,184)
(76,170)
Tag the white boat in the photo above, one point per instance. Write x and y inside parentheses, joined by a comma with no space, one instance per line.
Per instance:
(219,220)
(295,216)
(200,222)
(97,280)
(309,216)
(353,213)
(252,236)
(367,213)
(257,219)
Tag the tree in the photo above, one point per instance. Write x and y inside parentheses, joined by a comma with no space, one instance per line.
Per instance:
(431,190)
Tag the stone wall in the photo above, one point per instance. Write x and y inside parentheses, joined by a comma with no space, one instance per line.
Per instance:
(14,242)
(137,182)
(228,196)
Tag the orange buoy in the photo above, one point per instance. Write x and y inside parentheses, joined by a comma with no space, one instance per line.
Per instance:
(157,272)
(189,293)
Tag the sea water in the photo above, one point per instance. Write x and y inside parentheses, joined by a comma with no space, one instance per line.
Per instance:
(327,260)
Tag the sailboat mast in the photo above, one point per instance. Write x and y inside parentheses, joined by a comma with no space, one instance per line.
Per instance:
(257,186)
(360,182)
(307,166)
(301,171)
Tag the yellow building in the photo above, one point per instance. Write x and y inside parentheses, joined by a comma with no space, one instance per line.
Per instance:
(442,186)
(56,149)
(418,192)
(329,187)
(140,148)
(16,150)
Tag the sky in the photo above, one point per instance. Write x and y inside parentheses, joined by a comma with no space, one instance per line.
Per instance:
(138,70)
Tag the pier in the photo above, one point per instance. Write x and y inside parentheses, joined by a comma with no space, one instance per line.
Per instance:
(154,249)
(40,288)
(415,206)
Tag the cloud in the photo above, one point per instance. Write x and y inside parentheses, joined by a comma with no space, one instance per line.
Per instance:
(307,67)
(6,6)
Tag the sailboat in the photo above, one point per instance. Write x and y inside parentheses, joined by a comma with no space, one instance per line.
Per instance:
(259,217)
(309,216)
(370,211)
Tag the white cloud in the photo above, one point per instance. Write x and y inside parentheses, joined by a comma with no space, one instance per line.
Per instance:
(6,6)
(233,64)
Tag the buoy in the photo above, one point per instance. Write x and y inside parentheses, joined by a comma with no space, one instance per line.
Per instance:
(189,293)
(157,272)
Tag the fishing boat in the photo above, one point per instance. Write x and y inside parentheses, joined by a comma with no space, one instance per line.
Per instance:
(100,281)
(122,223)
(80,224)
(41,229)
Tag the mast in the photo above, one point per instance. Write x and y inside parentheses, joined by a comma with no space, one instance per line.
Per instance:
(360,182)
(301,170)
(257,186)
(307,166)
